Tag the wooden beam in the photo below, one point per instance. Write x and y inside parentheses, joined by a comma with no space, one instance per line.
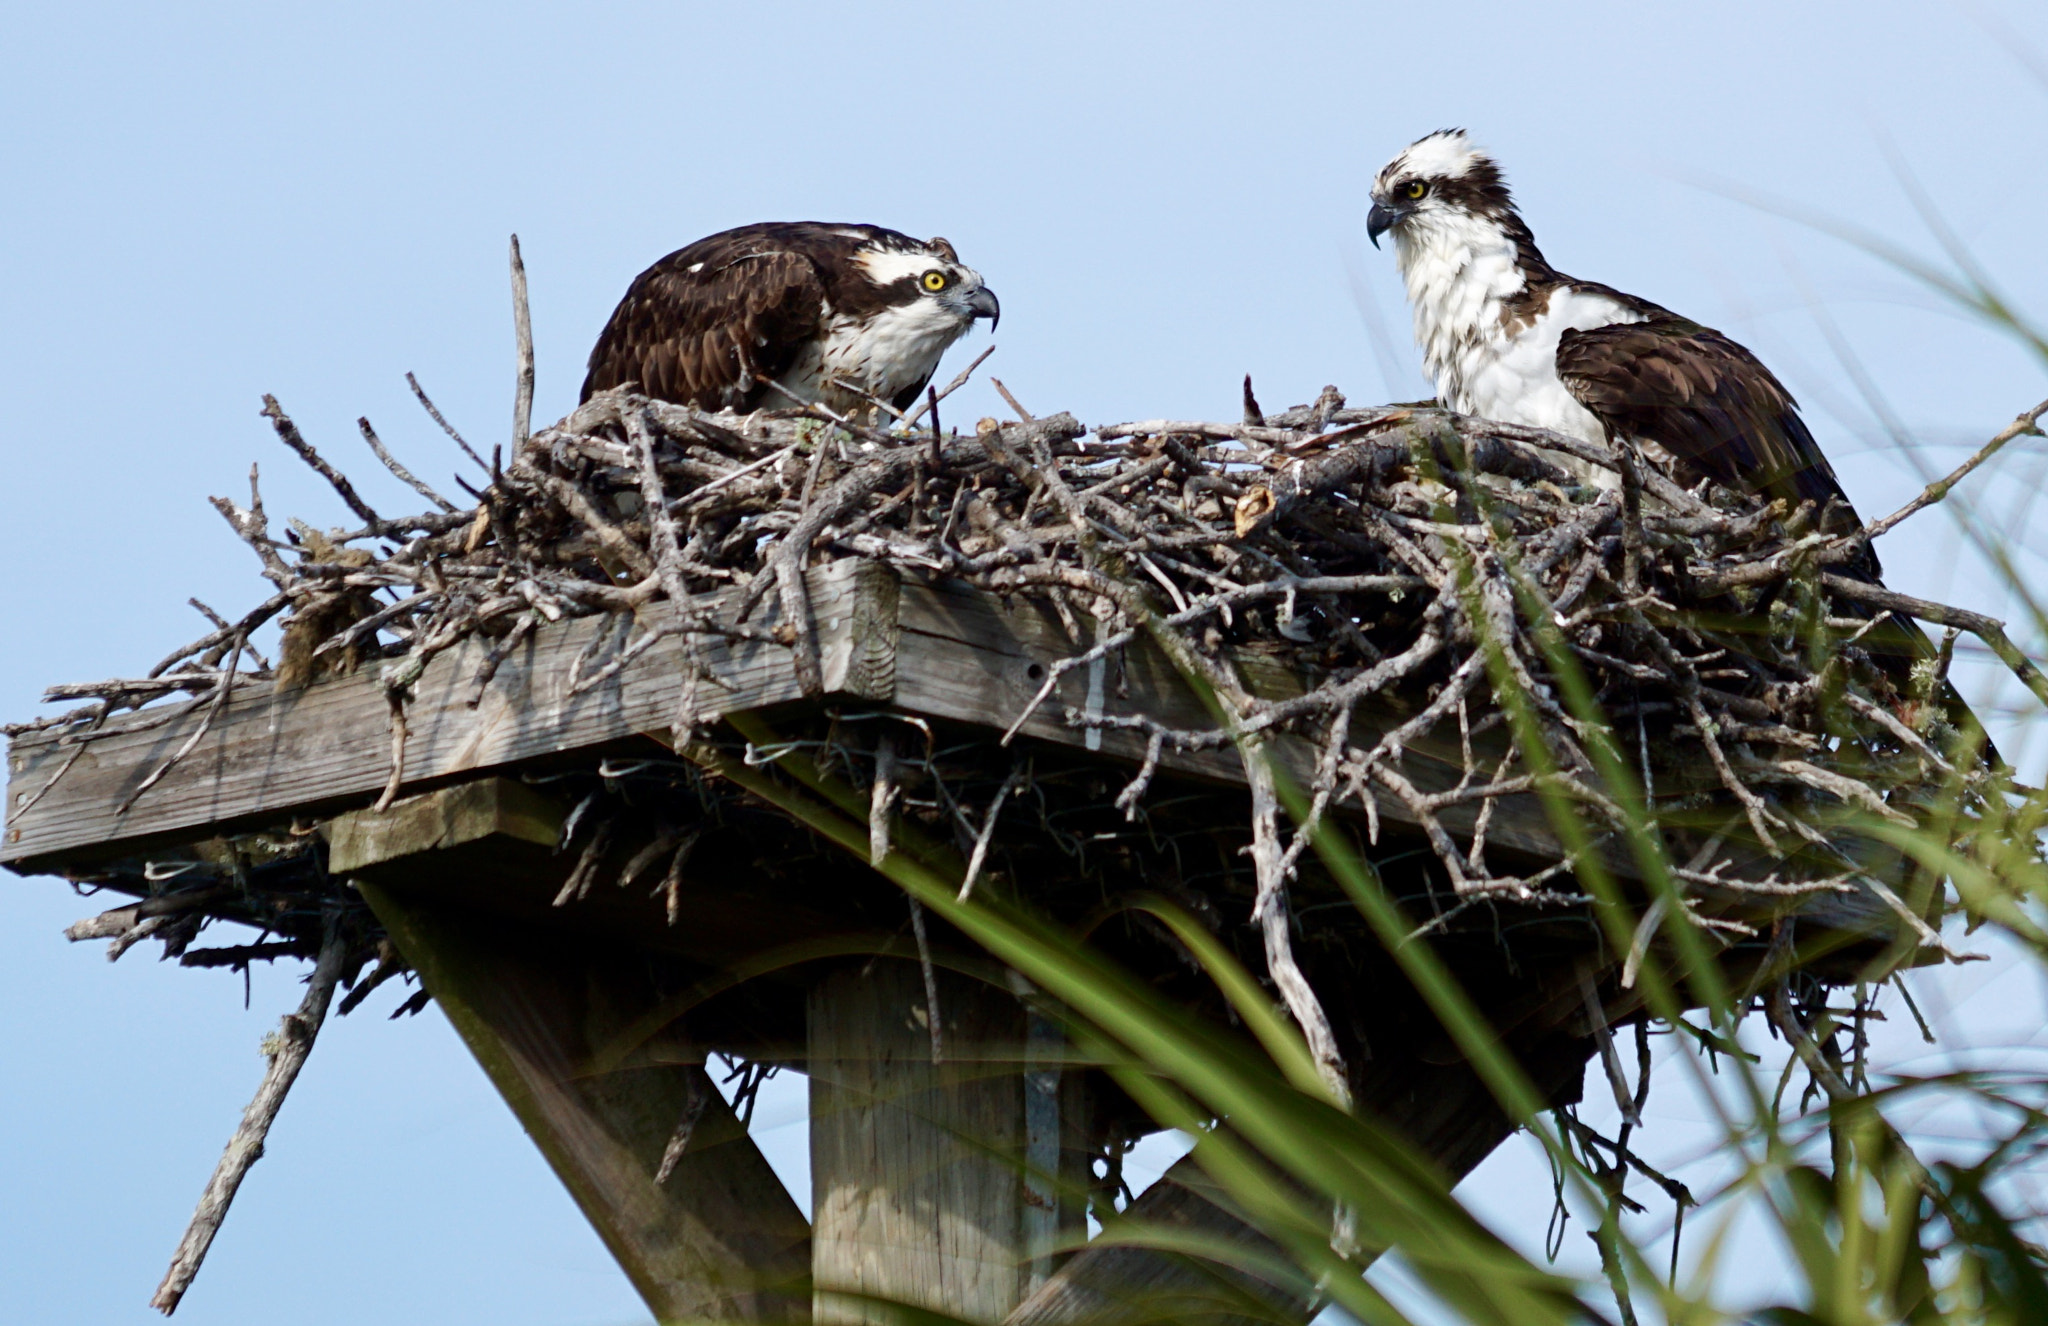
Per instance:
(1445,1112)
(919,1171)
(325,748)
(1110,1282)
(485,810)
(721,1239)
(493,841)
(941,650)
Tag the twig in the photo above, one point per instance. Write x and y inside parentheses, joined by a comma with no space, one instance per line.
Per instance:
(2027,423)
(882,800)
(740,473)
(1926,933)
(286,1049)
(1004,391)
(434,413)
(672,882)
(1610,1061)
(932,1014)
(845,384)
(699,1096)
(988,829)
(1631,517)
(389,964)
(1269,909)
(522,325)
(288,433)
(1988,629)
(396,699)
(959,381)
(1639,944)
(220,700)
(404,475)
(585,874)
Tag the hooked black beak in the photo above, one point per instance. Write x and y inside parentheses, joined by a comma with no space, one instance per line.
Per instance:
(1377,222)
(985,305)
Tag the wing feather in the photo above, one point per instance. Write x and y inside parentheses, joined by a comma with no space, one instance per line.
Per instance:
(1719,412)
(698,326)
(1704,399)
(1714,407)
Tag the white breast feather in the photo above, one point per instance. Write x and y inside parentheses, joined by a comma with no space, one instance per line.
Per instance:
(1460,270)
(889,353)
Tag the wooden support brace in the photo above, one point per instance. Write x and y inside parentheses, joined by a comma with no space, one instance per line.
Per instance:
(721,1239)
(1444,1111)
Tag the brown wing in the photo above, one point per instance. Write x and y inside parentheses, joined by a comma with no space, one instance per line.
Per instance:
(696,327)
(1718,410)
(1706,400)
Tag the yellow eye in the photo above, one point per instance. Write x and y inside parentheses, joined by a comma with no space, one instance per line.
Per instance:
(1415,189)
(935,281)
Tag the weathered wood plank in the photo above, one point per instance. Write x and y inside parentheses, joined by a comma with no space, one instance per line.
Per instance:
(721,1239)
(945,651)
(322,748)
(939,650)
(916,1168)
(439,822)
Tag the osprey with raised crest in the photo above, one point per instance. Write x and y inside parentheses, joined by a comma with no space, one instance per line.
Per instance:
(1506,336)
(832,314)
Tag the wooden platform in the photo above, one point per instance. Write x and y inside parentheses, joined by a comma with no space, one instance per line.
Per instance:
(464,872)
(937,651)
(941,652)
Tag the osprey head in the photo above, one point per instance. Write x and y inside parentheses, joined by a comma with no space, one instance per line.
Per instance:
(926,282)
(1436,180)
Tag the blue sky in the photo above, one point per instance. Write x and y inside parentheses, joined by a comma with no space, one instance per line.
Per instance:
(202,203)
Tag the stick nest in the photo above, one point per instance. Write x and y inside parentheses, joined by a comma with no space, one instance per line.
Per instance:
(1685,667)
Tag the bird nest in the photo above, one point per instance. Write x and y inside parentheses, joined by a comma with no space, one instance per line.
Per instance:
(1684,678)
(1727,724)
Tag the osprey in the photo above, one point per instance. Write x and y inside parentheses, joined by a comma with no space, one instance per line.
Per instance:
(1507,336)
(813,307)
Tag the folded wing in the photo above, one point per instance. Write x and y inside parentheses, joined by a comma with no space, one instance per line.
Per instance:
(700,325)
(1708,402)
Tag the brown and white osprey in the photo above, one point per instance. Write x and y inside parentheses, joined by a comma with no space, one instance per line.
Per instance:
(805,304)
(1507,336)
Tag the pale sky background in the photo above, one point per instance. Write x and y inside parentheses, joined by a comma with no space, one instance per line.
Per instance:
(202,203)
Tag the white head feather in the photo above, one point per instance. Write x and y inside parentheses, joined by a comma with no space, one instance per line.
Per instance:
(1445,154)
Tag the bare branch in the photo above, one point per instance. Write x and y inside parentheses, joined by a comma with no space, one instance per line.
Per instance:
(288,433)
(522,326)
(286,1048)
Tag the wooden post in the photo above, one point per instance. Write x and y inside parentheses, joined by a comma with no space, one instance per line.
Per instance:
(721,1239)
(918,1170)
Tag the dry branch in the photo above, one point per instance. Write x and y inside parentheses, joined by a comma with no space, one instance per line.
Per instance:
(522,326)
(286,1048)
